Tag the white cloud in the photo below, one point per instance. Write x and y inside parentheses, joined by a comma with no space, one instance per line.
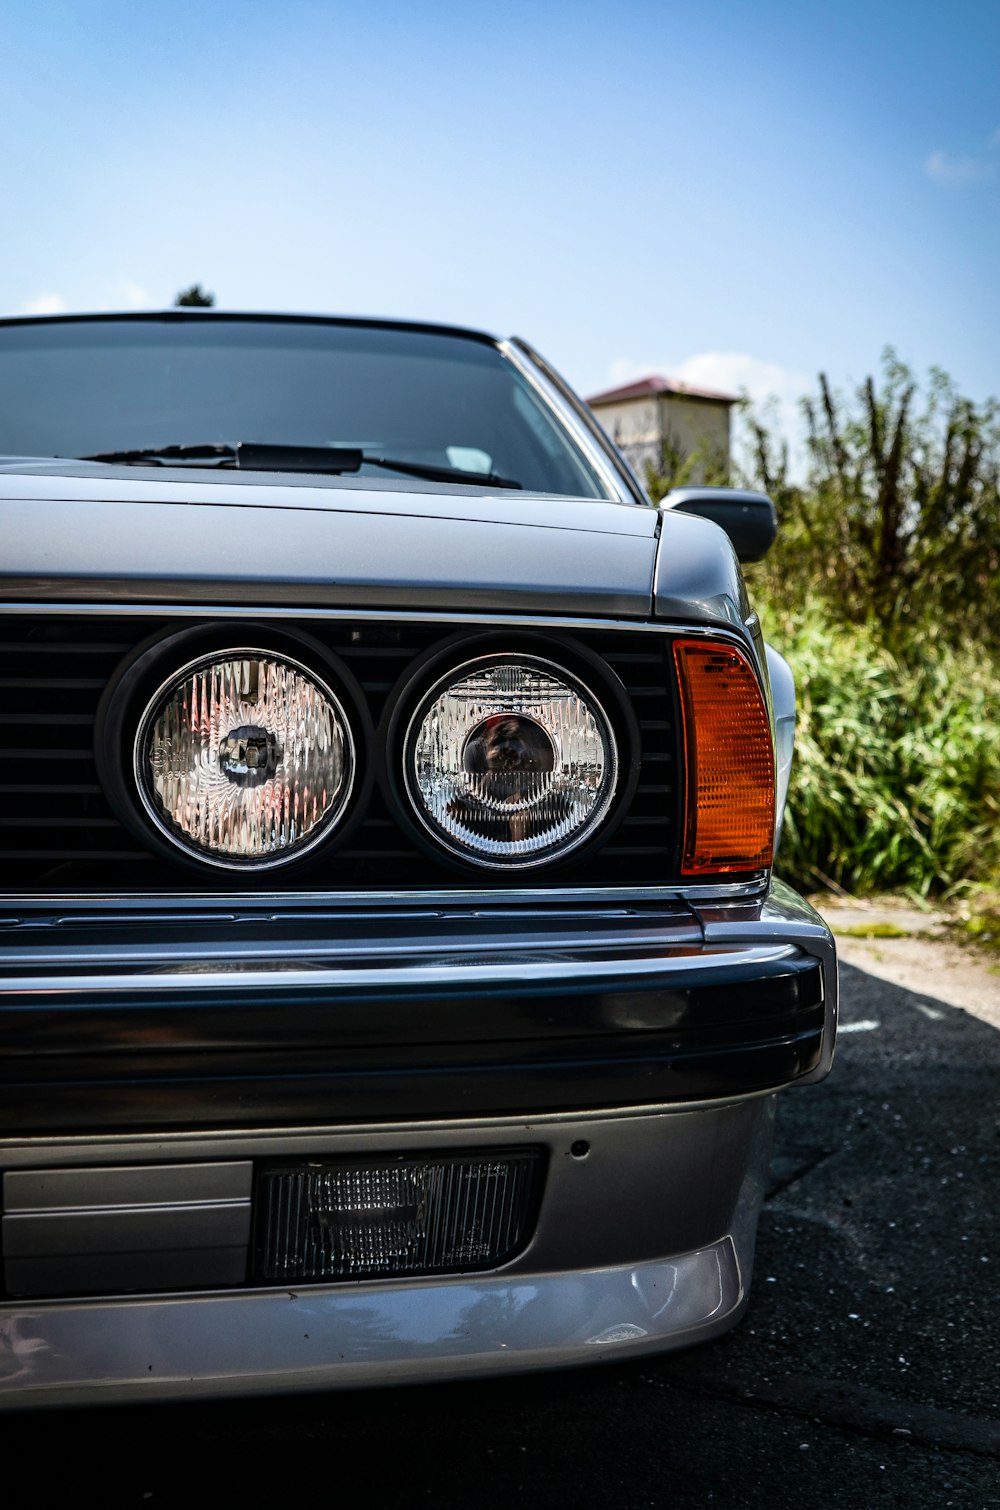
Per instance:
(733,372)
(136,297)
(125,295)
(45,304)
(738,372)
(945,168)
(773,389)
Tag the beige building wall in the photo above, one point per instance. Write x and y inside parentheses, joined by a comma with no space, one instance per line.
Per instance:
(641,426)
(636,422)
(691,424)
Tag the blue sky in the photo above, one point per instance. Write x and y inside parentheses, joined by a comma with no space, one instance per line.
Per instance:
(737,194)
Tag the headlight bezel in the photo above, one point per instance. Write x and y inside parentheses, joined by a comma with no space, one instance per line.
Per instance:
(443,665)
(163,661)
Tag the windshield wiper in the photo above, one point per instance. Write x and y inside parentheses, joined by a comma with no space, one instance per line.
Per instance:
(434,473)
(256,457)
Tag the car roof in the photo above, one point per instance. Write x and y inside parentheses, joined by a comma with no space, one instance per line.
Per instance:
(192,312)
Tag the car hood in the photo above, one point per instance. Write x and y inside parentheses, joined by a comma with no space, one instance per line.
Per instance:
(78,531)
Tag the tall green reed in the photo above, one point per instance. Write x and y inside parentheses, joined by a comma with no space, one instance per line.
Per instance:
(896,779)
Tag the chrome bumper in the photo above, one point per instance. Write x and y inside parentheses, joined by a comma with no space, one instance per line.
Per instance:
(167,1019)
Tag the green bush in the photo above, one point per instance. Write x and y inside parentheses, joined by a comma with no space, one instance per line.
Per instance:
(883,591)
(896,779)
(897,516)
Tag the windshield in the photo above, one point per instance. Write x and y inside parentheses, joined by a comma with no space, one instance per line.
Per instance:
(89,387)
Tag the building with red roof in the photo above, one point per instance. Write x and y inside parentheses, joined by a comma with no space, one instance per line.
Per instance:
(658,421)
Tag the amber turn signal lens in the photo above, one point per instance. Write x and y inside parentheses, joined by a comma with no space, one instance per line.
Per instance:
(729,798)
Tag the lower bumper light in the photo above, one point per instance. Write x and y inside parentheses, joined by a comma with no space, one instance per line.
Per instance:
(367,1219)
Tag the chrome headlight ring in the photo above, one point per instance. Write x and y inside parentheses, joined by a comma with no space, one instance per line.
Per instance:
(235,754)
(508,760)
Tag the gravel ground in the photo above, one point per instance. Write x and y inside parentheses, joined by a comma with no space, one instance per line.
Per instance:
(917,948)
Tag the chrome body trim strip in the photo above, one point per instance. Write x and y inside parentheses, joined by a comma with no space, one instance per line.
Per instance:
(573,622)
(620,899)
(444,969)
(588,419)
(598,459)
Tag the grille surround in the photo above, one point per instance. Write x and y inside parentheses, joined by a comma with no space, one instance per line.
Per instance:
(56,668)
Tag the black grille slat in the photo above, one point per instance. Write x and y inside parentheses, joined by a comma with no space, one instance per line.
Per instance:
(48,820)
(55,683)
(35,719)
(37,854)
(55,670)
(24,753)
(67,788)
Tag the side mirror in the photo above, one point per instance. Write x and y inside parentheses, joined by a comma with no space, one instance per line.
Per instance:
(749,519)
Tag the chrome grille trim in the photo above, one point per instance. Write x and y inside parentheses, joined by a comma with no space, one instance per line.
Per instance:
(202,611)
(164,903)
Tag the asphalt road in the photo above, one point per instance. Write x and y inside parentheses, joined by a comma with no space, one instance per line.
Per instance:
(865,1374)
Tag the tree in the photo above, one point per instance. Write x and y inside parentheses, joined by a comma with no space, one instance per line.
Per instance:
(195,297)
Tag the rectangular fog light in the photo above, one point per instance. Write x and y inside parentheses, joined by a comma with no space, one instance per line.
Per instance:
(372,1219)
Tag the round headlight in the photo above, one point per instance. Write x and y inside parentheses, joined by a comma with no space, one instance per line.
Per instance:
(244,759)
(510,762)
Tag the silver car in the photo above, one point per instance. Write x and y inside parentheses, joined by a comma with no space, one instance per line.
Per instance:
(395,983)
